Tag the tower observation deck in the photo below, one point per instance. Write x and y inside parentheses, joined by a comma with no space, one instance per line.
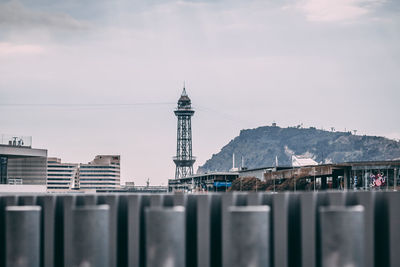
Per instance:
(184,159)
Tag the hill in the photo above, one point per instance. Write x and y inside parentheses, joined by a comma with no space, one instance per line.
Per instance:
(260,146)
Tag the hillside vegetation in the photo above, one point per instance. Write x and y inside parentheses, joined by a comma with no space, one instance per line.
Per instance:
(260,146)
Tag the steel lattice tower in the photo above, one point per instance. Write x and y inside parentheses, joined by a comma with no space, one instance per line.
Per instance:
(184,160)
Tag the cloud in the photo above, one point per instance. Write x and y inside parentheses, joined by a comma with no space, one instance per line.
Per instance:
(13,14)
(15,49)
(337,10)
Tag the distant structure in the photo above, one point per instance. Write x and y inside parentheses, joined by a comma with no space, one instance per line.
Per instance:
(184,160)
(234,169)
(61,176)
(299,161)
(20,164)
(102,173)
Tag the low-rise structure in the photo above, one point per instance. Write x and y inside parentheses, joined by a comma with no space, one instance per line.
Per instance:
(214,182)
(362,175)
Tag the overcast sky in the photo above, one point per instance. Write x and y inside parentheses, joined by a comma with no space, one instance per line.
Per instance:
(246,64)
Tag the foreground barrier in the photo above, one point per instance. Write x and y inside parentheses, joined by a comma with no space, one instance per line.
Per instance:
(229,229)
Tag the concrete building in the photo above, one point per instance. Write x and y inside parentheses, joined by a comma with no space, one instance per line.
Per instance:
(20,164)
(61,176)
(102,173)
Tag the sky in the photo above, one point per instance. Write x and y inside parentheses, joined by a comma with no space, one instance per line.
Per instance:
(103,77)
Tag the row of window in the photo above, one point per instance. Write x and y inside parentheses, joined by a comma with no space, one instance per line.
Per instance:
(87,179)
(99,167)
(61,166)
(96,187)
(98,175)
(99,171)
(97,184)
(49,170)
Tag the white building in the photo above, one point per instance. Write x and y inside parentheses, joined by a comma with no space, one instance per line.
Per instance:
(101,173)
(299,161)
(61,176)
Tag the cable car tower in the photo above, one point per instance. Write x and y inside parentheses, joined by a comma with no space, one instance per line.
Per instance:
(184,160)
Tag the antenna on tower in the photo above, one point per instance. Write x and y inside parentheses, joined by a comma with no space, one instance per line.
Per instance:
(184,89)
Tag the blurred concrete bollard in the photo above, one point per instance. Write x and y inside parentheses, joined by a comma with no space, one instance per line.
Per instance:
(165,237)
(23,236)
(342,236)
(248,237)
(90,236)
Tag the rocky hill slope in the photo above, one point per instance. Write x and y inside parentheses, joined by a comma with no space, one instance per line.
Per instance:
(260,146)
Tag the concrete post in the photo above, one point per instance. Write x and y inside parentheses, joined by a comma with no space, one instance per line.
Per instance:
(90,236)
(342,236)
(249,236)
(165,236)
(346,179)
(23,236)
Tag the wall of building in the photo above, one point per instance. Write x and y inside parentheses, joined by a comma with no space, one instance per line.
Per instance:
(23,165)
(259,173)
(103,173)
(60,176)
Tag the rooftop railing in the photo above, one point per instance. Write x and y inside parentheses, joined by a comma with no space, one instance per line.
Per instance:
(15,140)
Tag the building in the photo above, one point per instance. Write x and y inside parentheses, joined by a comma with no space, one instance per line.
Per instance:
(213,182)
(61,176)
(257,173)
(363,175)
(299,161)
(20,164)
(102,173)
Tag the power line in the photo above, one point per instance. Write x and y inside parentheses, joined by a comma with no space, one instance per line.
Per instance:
(80,105)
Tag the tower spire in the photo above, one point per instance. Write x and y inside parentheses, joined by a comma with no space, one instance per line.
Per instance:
(184,89)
